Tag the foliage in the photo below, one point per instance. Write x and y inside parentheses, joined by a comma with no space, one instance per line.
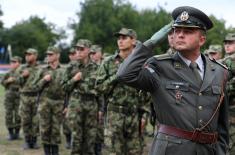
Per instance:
(32,33)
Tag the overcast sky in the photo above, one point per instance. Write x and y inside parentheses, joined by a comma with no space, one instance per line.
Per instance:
(60,12)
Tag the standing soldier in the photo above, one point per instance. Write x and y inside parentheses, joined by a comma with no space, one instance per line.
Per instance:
(83,107)
(28,107)
(187,88)
(215,52)
(96,54)
(48,83)
(73,57)
(229,61)
(170,38)
(12,99)
(122,103)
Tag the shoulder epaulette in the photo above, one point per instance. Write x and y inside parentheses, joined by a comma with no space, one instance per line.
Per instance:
(219,63)
(163,56)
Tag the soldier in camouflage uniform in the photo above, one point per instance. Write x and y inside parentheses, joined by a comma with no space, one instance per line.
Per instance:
(12,99)
(229,61)
(122,119)
(83,108)
(170,38)
(48,83)
(96,56)
(73,57)
(28,108)
(215,52)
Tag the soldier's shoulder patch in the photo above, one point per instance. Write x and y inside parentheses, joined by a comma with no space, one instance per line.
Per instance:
(163,56)
(219,63)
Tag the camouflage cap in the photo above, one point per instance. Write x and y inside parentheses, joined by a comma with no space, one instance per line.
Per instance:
(126,32)
(72,50)
(83,43)
(16,59)
(215,49)
(95,48)
(31,51)
(186,16)
(230,37)
(52,50)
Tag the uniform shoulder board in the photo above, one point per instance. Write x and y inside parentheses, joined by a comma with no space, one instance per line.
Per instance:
(163,56)
(219,63)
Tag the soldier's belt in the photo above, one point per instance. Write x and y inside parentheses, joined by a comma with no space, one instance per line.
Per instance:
(195,136)
(84,96)
(29,93)
(13,89)
(122,109)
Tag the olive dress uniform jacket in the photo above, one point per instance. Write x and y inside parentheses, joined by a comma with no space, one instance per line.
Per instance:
(178,100)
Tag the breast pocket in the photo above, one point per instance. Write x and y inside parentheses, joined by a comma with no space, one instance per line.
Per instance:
(177,90)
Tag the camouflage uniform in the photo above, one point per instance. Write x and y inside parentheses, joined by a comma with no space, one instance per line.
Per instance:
(12,101)
(83,107)
(50,106)
(122,131)
(28,107)
(229,61)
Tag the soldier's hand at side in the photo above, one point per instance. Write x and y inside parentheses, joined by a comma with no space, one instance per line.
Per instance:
(143,123)
(65,111)
(47,77)
(25,73)
(77,76)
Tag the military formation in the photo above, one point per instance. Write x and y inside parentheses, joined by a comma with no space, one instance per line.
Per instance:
(102,103)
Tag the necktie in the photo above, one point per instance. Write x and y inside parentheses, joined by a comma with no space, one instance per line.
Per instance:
(194,68)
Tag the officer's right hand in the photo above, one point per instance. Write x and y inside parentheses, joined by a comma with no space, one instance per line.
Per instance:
(10,79)
(77,76)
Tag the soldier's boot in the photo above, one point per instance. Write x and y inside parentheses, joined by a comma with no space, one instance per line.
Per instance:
(17,133)
(11,134)
(26,145)
(68,141)
(98,148)
(47,149)
(34,144)
(54,150)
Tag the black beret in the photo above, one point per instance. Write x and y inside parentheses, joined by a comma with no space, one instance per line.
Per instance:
(186,16)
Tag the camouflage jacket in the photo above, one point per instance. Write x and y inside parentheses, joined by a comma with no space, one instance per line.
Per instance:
(13,85)
(116,93)
(52,89)
(86,86)
(26,83)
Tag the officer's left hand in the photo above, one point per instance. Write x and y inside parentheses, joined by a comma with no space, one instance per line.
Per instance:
(47,77)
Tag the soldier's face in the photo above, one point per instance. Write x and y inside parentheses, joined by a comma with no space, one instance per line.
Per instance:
(188,39)
(96,57)
(15,64)
(52,57)
(229,47)
(215,55)
(83,53)
(29,57)
(125,43)
(73,56)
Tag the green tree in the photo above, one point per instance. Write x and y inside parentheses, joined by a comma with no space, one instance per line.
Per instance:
(32,33)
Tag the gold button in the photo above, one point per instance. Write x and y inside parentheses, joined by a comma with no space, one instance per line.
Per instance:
(177,86)
(200,107)
(200,121)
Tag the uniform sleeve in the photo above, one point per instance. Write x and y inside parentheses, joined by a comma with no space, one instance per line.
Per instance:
(4,81)
(67,81)
(135,72)
(38,83)
(105,79)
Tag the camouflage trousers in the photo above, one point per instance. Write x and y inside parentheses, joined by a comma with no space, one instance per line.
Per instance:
(50,118)
(83,120)
(122,135)
(29,116)
(11,103)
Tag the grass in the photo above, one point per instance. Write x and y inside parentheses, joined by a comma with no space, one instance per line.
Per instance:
(15,147)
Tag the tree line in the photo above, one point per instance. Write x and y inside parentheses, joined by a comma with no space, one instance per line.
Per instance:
(97,21)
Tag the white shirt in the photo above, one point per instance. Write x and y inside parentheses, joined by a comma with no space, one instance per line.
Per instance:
(199,62)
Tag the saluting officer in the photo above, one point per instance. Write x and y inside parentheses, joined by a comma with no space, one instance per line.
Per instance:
(188,89)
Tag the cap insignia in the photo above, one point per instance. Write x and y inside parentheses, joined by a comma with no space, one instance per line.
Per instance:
(184,16)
